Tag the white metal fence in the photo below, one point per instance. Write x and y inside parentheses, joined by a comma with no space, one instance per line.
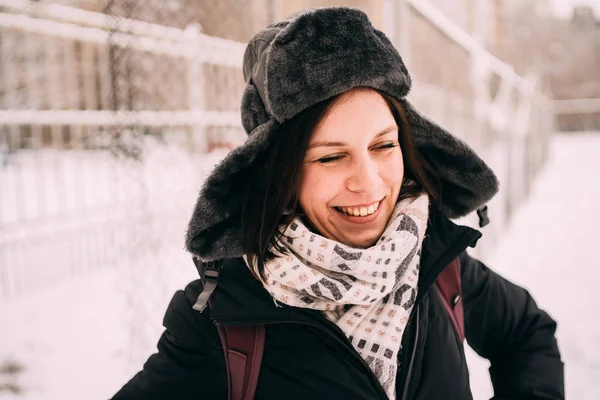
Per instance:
(504,116)
(72,154)
(105,123)
(105,127)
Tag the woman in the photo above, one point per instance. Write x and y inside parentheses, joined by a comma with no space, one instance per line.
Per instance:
(329,226)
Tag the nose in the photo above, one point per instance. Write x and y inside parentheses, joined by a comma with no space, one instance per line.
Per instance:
(364,176)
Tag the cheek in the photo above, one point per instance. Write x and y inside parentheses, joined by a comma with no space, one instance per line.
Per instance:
(317,188)
(308,188)
(393,171)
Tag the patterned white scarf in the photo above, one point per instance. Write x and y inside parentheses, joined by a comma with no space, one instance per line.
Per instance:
(377,285)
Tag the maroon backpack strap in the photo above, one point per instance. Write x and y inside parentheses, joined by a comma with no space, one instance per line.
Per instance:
(243,347)
(448,284)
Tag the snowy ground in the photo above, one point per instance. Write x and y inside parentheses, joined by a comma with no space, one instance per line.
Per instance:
(550,248)
(73,340)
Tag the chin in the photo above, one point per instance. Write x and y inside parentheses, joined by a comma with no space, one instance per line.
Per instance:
(362,243)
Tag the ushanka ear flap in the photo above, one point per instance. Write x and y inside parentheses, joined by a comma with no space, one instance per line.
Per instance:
(253,110)
(467,182)
(215,228)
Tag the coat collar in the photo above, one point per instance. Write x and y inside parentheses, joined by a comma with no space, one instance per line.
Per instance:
(241,299)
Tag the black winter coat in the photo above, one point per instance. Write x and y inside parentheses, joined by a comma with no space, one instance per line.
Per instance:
(308,357)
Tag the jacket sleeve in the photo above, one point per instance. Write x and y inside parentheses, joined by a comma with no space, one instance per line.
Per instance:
(189,363)
(504,325)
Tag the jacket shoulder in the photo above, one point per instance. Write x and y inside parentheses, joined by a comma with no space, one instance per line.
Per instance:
(187,324)
(504,324)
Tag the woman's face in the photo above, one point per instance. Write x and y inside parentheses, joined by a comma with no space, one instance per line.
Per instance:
(353,170)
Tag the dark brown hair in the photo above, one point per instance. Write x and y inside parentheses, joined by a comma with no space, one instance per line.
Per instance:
(270,203)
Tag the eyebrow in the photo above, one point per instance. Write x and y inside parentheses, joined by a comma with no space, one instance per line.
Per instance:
(340,144)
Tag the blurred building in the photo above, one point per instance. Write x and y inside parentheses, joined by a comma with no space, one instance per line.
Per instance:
(577,75)
(563,53)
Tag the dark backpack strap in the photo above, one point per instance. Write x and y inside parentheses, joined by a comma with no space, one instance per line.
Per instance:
(448,284)
(243,347)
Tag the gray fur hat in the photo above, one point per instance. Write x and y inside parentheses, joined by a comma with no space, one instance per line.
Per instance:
(296,63)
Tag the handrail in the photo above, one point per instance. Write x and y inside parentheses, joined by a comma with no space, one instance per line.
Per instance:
(97,27)
(577,106)
(120,118)
(94,19)
(467,42)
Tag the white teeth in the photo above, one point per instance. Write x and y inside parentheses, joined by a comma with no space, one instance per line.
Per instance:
(360,211)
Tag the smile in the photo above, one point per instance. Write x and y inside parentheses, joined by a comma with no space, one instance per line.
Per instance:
(361,211)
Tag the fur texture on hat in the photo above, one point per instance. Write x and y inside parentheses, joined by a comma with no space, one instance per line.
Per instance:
(296,63)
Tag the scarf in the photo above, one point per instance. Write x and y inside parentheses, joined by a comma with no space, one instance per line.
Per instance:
(368,293)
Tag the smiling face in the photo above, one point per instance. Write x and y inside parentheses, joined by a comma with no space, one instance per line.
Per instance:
(353,170)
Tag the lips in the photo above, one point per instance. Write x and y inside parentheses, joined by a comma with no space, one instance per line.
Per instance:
(360,211)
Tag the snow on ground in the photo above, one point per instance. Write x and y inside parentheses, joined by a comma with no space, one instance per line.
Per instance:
(85,337)
(550,248)
(67,338)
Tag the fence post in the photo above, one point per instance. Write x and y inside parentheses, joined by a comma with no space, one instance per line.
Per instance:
(389,20)
(196,87)
(405,31)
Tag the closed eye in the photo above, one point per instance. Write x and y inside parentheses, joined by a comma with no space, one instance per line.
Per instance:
(337,157)
(385,146)
(329,159)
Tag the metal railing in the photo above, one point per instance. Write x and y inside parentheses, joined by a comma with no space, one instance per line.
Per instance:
(69,174)
(502,115)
